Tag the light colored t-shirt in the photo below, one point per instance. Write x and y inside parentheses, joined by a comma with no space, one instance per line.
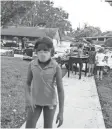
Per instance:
(80,52)
(100,59)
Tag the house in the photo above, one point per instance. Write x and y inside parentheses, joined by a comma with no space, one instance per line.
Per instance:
(67,41)
(98,38)
(31,34)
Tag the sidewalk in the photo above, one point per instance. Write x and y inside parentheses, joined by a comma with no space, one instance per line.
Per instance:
(82,106)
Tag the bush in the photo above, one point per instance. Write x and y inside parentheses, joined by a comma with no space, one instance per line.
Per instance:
(108,43)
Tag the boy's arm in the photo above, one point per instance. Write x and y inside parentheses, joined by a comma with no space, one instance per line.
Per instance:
(96,59)
(60,89)
(28,81)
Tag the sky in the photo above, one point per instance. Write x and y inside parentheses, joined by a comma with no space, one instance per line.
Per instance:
(96,13)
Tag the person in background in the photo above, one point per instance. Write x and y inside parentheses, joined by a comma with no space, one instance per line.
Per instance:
(80,53)
(91,61)
(100,63)
(80,50)
(28,51)
(52,51)
(40,92)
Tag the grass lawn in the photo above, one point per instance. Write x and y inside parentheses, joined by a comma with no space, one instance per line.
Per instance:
(104,88)
(13,77)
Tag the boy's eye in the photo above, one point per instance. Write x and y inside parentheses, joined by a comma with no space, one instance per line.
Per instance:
(45,50)
(42,50)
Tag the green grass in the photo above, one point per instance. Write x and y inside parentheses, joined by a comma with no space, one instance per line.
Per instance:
(13,77)
(104,88)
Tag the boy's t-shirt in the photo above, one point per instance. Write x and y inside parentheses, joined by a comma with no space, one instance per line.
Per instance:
(43,90)
(92,57)
(80,52)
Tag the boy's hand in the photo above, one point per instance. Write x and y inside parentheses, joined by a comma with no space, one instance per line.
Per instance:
(59,119)
(29,103)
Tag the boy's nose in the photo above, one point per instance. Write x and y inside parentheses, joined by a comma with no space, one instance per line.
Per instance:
(43,52)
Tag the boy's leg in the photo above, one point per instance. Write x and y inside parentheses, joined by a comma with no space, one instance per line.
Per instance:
(98,71)
(88,69)
(89,72)
(48,116)
(92,69)
(33,117)
(101,73)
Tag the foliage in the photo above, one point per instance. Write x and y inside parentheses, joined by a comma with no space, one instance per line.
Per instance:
(87,31)
(32,13)
(90,31)
(108,42)
(110,2)
(107,33)
(13,10)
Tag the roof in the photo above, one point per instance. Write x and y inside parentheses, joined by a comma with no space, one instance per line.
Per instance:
(107,34)
(29,31)
(98,37)
(67,38)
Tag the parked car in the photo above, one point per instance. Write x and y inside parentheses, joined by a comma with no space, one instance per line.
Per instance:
(28,53)
(4,52)
(10,44)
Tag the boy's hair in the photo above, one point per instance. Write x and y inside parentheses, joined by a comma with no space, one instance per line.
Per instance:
(92,48)
(80,46)
(44,40)
(48,43)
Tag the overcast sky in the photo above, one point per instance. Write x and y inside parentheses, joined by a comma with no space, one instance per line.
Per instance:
(93,12)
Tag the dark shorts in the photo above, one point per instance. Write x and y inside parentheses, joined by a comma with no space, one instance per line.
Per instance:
(99,68)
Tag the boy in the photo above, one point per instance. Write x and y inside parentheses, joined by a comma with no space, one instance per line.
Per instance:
(91,61)
(40,88)
(100,63)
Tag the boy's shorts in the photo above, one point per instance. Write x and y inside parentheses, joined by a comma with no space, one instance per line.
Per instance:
(99,68)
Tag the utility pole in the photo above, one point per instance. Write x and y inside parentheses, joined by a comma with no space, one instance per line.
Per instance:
(79,25)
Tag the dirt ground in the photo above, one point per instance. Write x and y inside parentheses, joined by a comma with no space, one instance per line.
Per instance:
(104,89)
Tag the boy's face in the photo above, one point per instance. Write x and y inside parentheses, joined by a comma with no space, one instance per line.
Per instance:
(43,53)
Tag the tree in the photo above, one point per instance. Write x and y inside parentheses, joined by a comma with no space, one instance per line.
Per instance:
(32,13)
(87,31)
(11,11)
(107,33)
(44,12)
(110,2)
(108,42)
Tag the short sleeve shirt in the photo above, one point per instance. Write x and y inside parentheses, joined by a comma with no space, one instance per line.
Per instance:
(43,88)
(92,57)
(100,59)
